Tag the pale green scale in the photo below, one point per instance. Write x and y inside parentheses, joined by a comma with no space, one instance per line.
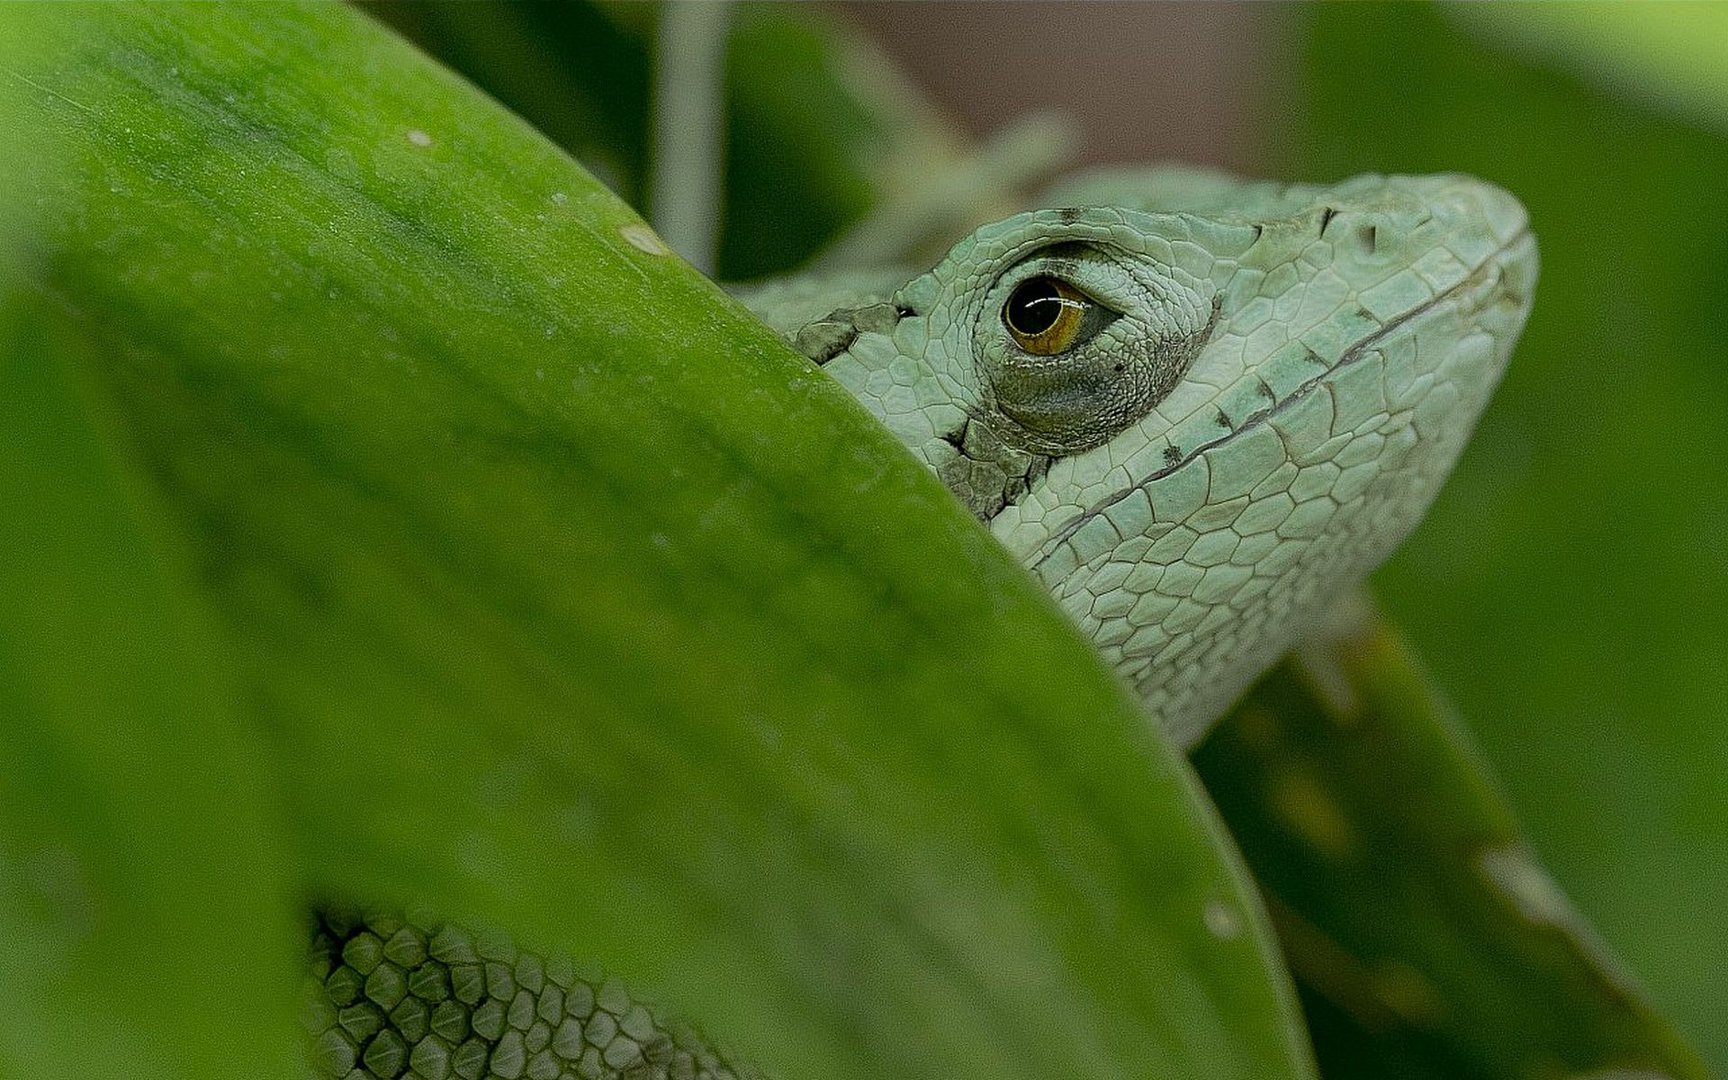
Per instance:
(1288,375)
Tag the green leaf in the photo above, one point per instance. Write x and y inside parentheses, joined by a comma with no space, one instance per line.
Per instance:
(1425,936)
(569,599)
(141,878)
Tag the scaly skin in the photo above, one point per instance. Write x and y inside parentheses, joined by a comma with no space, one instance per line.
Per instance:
(392,997)
(1334,345)
(1290,374)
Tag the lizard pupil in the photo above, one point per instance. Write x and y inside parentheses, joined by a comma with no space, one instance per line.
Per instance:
(1035,306)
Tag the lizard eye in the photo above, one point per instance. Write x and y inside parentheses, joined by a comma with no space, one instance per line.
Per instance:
(1045,315)
(1076,340)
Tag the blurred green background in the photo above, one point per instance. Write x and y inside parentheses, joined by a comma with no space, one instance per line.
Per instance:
(1568,590)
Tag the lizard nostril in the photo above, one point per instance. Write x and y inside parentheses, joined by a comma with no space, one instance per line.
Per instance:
(1367,236)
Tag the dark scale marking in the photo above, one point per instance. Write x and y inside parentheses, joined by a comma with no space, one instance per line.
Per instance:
(1068,215)
(823,341)
(1172,455)
(425,1029)
(988,474)
(1017,488)
(957,437)
(1266,390)
(1326,217)
(1223,421)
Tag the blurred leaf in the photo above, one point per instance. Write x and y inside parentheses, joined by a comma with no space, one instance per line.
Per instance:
(140,878)
(571,600)
(1669,55)
(1427,940)
(1571,588)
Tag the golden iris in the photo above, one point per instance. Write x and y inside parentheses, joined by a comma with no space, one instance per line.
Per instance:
(1044,315)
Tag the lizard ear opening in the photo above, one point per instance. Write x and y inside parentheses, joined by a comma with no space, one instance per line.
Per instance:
(1075,342)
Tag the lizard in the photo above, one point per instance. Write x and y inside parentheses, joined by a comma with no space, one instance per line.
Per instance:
(1198,409)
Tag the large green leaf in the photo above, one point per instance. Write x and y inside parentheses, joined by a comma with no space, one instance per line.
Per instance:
(569,599)
(1571,588)
(140,871)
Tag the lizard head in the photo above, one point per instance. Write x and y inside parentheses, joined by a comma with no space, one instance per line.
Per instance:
(1200,408)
